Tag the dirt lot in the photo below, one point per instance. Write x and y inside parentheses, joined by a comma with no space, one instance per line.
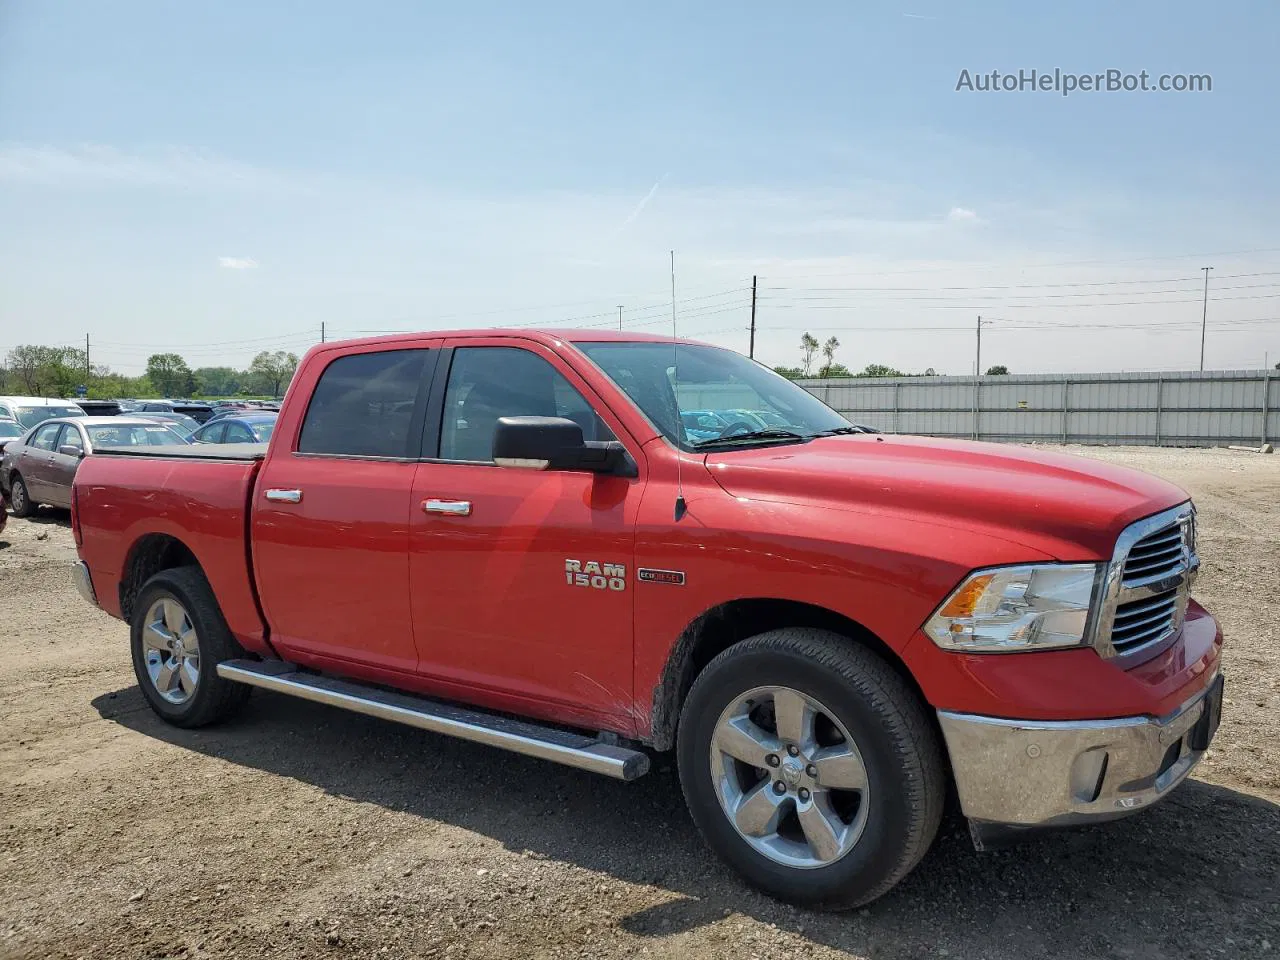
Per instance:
(300,831)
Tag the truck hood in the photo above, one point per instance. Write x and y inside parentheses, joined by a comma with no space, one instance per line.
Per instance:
(1072,508)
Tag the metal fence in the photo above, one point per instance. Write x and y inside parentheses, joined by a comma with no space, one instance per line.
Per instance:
(1195,409)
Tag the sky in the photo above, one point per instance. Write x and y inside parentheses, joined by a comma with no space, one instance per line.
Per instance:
(216,179)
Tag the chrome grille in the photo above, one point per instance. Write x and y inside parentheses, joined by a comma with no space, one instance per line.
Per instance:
(1148,582)
(1140,622)
(1155,557)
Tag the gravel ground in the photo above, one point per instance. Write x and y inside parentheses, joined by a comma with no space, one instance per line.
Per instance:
(301,831)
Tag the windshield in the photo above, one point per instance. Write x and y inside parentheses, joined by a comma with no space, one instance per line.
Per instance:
(30,416)
(718,394)
(136,435)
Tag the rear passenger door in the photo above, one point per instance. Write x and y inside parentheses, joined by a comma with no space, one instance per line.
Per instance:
(36,465)
(330,525)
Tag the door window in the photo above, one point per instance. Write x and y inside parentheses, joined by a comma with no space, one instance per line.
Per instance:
(70,438)
(211,434)
(363,406)
(486,383)
(239,433)
(46,437)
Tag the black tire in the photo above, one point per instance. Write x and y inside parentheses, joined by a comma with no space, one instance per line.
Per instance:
(906,782)
(20,497)
(214,698)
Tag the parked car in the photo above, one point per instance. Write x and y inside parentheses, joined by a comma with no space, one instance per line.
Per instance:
(832,630)
(199,412)
(9,430)
(29,411)
(99,408)
(178,421)
(242,428)
(39,467)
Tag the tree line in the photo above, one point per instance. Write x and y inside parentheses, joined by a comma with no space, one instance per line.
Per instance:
(40,371)
(811,348)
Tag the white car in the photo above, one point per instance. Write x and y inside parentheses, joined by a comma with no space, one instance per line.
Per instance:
(30,411)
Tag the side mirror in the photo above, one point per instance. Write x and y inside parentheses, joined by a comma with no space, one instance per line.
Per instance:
(554,443)
(70,450)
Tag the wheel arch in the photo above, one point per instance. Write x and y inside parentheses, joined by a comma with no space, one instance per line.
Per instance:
(149,554)
(721,627)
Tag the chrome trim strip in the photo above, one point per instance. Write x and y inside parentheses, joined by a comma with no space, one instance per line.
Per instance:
(545,743)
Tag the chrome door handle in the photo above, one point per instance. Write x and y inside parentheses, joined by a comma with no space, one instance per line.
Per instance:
(454,508)
(284,496)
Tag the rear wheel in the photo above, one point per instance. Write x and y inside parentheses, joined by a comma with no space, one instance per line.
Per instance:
(178,638)
(811,767)
(20,498)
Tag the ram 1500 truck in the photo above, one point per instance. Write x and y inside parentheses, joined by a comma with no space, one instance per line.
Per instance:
(511,537)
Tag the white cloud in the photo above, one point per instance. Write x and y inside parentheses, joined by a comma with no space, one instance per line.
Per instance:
(962,215)
(238,263)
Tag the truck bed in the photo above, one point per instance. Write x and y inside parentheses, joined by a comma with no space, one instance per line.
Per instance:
(132,502)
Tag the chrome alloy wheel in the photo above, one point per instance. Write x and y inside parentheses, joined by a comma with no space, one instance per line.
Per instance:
(789,777)
(171,650)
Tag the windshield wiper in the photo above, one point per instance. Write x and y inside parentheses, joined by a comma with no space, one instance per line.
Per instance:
(751,436)
(839,431)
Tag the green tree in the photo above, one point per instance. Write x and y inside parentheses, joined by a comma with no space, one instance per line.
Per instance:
(170,375)
(836,370)
(829,354)
(999,370)
(218,381)
(809,348)
(880,370)
(272,370)
(791,373)
(46,371)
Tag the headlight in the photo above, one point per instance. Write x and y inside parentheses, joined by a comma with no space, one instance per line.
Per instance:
(1007,609)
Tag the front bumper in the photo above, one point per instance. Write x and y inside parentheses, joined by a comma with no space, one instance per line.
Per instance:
(84,582)
(1034,773)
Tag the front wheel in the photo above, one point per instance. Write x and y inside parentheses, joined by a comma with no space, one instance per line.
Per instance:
(811,767)
(20,498)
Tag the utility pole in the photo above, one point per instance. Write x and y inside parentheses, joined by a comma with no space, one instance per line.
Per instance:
(977,361)
(322,331)
(1204,316)
(751,346)
(619,316)
(86,362)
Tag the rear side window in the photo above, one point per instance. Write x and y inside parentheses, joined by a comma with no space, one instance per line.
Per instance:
(363,406)
(44,437)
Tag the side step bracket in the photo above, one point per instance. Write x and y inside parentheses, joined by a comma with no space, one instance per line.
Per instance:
(519,736)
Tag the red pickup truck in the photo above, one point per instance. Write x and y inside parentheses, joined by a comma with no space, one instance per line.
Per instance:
(523,539)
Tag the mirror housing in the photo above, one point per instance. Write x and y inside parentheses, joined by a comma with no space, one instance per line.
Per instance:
(555,443)
(70,450)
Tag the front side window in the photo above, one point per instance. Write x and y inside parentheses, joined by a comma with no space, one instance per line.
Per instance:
(9,429)
(70,438)
(700,396)
(363,406)
(239,433)
(486,383)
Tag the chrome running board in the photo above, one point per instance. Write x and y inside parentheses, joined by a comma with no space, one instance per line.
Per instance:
(518,736)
